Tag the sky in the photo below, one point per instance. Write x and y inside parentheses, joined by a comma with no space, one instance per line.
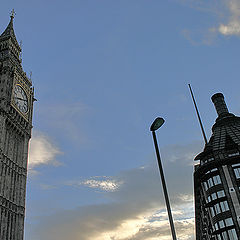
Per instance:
(103,70)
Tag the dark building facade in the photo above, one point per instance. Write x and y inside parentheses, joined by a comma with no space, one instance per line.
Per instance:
(16,104)
(217,179)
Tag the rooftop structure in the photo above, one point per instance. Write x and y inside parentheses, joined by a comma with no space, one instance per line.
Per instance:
(217,179)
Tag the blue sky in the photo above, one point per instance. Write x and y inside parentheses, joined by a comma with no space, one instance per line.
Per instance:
(102,71)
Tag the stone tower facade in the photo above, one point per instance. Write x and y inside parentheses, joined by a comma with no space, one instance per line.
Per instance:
(217,179)
(16,105)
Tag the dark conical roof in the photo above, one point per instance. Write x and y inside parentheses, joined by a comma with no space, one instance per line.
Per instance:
(9,33)
(226,130)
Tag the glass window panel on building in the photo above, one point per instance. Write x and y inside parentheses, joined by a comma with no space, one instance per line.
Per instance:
(216,180)
(229,222)
(237,172)
(214,196)
(205,186)
(221,224)
(221,194)
(210,182)
(232,234)
(236,165)
(224,206)
(217,208)
(212,211)
(225,236)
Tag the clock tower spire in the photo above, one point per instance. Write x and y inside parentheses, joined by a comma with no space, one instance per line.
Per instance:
(9,46)
(16,106)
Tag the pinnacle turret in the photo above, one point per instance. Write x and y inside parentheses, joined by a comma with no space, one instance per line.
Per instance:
(9,47)
(9,32)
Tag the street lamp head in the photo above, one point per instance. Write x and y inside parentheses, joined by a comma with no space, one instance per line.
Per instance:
(158,122)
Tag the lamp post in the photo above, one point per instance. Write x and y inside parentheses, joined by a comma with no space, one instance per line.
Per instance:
(158,122)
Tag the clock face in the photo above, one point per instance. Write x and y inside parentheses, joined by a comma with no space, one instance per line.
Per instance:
(20,99)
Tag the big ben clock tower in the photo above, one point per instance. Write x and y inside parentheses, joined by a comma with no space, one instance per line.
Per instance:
(16,105)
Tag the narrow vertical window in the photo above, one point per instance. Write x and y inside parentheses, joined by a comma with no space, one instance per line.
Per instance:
(214,196)
(210,182)
(205,186)
(237,172)
(232,234)
(221,224)
(217,208)
(212,211)
(225,236)
(216,179)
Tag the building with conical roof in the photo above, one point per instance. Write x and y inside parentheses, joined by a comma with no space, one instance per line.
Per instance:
(217,179)
(16,105)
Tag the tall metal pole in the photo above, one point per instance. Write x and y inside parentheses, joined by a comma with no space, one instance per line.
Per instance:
(164,187)
(198,115)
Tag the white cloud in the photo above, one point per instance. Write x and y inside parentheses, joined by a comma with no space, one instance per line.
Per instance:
(232,27)
(116,221)
(159,229)
(42,152)
(101,183)
(225,21)
(136,210)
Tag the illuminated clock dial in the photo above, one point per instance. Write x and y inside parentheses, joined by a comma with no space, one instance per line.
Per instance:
(20,98)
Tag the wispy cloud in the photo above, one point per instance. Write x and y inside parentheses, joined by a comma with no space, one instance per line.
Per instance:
(232,27)
(116,221)
(42,151)
(225,20)
(159,229)
(135,210)
(100,183)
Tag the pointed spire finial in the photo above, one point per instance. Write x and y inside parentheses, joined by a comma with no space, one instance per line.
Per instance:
(13,14)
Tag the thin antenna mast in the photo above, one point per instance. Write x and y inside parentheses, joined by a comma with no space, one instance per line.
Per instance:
(198,115)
